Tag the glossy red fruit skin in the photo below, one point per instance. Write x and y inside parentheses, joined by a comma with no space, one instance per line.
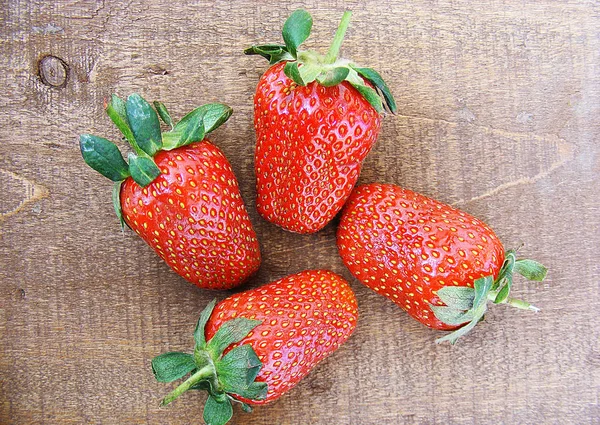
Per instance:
(406,246)
(194,217)
(305,317)
(310,144)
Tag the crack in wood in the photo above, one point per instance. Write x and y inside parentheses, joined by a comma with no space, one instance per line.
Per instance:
(553,151)
(565,152)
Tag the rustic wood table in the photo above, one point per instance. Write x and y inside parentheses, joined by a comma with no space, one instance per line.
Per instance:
(499,106)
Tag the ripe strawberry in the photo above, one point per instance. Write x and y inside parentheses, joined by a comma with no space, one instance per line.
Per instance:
(316,119)
(178,191)
(262,342)
(438,263)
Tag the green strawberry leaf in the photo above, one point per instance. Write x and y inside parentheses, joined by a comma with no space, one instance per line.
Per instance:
(246,408)
(116,199)
(296,30)
(230,332)
(143,169)
(238,368)
(193,132)
(169,367)
(453,336)
(255,391)
(103,156)
(510,256)
(201,386)
(163,113)
(308,72)
(332,77)
(502,295)
(144,124)
(272,52)
(210,116)
(482,289)
(293,73)
(370,95)
(199,337)
(506,269)
(217,412)
(451,316)
(457,297)
(531,270)
(266,50)
(505,290)
(115,109)
(375,78)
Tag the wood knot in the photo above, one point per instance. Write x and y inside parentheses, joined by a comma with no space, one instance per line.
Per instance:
(53,71)
(18,192)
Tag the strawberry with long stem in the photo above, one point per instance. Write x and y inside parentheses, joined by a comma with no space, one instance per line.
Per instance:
(442,265)
(178,191)
(316,119)
(253,347)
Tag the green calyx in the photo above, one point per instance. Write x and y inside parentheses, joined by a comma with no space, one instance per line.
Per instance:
(140,125)
(469,305)
(304,67)
(222,376)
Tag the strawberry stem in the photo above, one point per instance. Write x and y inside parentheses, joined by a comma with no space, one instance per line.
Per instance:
(338,38)
(513,302)
(523,305)
(206,372)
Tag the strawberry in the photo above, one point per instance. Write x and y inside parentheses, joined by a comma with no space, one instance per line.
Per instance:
(178,191)
(316,119)
(255,346)
(436,262)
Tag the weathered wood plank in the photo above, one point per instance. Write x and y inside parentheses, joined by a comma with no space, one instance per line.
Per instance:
(499,114)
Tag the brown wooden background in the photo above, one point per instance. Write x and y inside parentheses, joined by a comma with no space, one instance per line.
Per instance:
(499,114)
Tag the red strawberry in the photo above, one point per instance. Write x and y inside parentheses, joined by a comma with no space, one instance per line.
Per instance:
(178,192)
(262,342)
(438,263)
(316,119)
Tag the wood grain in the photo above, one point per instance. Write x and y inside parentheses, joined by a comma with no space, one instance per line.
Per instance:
(499,114)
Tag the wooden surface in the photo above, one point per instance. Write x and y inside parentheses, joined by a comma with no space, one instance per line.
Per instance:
(499,113)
